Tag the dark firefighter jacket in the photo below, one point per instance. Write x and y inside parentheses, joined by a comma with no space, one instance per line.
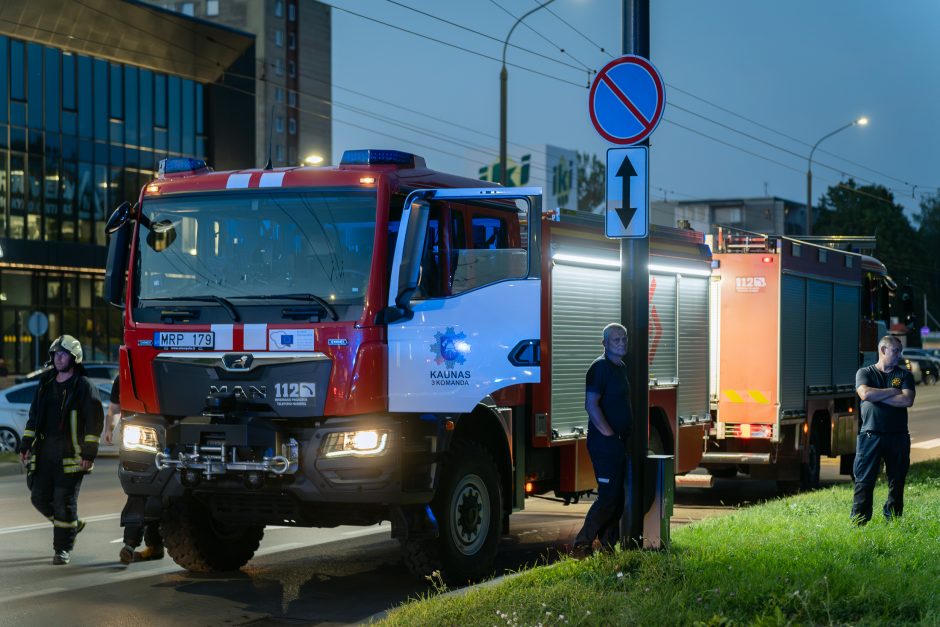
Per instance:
(83,419)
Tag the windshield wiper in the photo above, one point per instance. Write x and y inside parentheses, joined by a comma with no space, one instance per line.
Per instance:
(308,297)
(224,302)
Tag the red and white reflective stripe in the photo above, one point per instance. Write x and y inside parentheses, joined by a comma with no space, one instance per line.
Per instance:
(223,336)
(271,179)
(238,181)
(256,337)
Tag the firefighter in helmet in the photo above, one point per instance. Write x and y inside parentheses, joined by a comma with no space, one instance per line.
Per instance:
(60,442)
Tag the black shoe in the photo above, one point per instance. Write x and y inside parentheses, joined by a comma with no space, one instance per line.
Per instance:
(582,551)
(61,557)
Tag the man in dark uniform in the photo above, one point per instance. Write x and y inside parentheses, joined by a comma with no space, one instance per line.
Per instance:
(134,531)
(607,401)
(60,442)
(886,390)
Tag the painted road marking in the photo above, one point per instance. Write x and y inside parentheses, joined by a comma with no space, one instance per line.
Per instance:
(46,525)
(927,444)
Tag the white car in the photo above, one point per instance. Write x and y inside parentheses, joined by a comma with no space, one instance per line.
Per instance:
(14,410)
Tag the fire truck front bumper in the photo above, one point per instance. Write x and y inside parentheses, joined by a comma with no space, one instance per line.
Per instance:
(367,459)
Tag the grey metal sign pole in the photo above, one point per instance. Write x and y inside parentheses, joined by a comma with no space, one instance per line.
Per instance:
(634,305)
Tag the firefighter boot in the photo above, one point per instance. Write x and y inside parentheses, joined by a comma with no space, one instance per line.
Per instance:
(149,553)
(61,557)
(126,555)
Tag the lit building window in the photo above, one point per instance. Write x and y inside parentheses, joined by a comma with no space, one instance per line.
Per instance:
(292,12)
(187,8)
(279,8)
(292,126)
(279,124)
(279,67)
(292,98)
(212,8)
(279,38)
(278,94)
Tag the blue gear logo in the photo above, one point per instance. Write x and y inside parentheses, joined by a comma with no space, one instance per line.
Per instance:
(449,348)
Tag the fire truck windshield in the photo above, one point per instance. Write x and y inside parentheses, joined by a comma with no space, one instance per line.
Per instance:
(257,244)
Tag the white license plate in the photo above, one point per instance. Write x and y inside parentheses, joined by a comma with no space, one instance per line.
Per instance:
(186,339)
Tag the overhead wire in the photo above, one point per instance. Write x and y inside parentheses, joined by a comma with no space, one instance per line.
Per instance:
(550,42)
(785,135)
(482,34)
(756,123)
(673,87)
(447,43)
(472,147)
(765,158)
(768,143)
(583,36)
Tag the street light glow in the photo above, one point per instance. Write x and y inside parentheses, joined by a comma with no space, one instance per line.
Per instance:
(862,121)
(313,160)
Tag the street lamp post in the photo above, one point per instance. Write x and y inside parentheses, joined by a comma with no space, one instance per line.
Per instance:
(809,171)
(503,78)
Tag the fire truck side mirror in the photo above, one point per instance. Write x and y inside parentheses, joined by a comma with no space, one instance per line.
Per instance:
(118,248)
(409,272)
(119,218)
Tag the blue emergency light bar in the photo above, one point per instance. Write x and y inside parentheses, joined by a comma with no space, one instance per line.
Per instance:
(179,164)
(382,157)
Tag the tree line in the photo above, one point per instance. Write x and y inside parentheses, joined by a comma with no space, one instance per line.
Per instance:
(910,249)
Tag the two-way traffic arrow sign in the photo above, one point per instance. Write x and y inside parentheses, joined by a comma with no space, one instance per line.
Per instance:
(628,200)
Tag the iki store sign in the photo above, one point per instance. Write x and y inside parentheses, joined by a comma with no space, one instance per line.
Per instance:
(554,170)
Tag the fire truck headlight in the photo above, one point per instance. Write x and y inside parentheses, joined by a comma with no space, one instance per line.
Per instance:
(355,443)
(138,438)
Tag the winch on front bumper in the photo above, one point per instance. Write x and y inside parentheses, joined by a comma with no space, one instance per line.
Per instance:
(220,460)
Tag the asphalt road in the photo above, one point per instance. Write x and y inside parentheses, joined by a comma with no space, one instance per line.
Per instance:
(300,576)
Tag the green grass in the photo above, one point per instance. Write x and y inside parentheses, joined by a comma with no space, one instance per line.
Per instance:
(795,561)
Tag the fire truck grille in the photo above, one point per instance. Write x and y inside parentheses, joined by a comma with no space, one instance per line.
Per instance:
(260,507)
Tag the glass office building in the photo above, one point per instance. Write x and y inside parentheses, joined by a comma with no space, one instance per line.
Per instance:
(78,135)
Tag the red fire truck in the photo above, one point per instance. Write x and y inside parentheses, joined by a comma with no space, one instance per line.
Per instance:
(791,320)
(375,341)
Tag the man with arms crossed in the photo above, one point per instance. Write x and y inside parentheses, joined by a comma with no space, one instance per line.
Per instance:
(886,390)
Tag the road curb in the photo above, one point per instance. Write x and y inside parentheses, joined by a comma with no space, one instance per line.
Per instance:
(452,593)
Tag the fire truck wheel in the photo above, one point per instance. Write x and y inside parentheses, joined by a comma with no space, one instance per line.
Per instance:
(199,543)
(468,508)
(809,470)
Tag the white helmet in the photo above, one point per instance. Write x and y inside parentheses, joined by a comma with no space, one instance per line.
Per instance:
(68,344)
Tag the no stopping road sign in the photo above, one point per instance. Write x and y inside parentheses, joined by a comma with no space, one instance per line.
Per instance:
(627,100)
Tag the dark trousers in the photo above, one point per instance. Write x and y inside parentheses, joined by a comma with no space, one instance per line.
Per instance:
(871,448)
(55,494)
(135,529)
(149,533)
(609,458)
